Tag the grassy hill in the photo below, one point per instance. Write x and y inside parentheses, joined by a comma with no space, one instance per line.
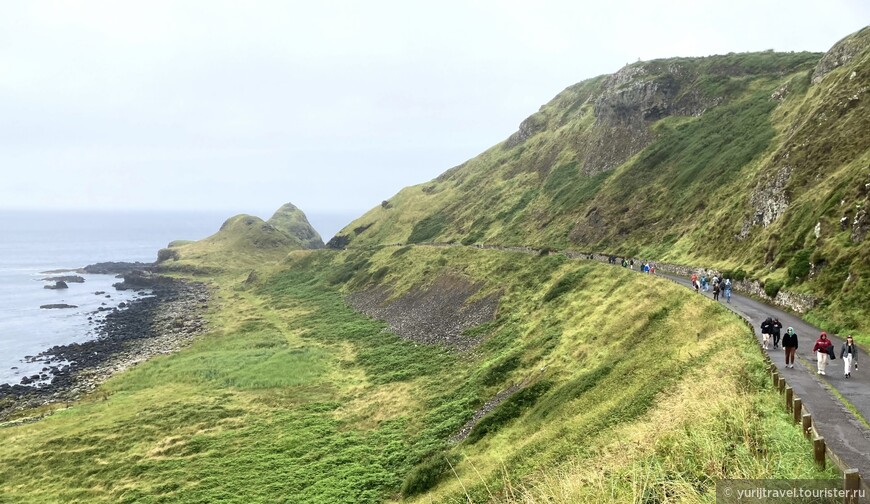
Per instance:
(757,161)
(242,242)
(294,395)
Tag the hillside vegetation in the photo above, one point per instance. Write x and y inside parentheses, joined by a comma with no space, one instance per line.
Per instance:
(243,241)
(295,396)
(756,161)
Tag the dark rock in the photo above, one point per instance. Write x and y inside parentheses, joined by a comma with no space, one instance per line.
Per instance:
(122,305)
(99,293)
(114,268)
(60,284)
(57,306)
(66,278)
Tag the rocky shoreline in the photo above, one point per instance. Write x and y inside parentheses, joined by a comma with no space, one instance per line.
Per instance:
(158,324)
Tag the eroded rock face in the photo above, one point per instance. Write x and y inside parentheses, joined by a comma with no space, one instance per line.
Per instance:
(438,314)
(769,201)
(839,55)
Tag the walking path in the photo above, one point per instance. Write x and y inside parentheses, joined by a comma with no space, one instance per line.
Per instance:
(844,433)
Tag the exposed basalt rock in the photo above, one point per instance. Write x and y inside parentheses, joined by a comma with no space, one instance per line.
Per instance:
(769,200)
(142,280)
(860,226)
(60,284)
(56,306)
(839,55)
(434,315)
(528,128)
(116,268)
(65,278)
(338,242)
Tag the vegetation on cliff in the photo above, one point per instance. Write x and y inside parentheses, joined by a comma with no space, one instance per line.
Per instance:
(755,161)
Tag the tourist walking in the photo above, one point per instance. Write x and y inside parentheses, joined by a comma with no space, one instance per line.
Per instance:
(849,354)
(728,290)
(716,291)
(765,333)
(704,285)
(774,330)
(790,345)
(695,284)
(822,348)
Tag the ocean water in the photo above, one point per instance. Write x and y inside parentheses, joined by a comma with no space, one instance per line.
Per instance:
(34,242)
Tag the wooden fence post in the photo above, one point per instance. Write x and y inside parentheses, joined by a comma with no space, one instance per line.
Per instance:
(776,378)
(781,385)
(807,424)
(789,397)
(797,406)
(819,452)
(851,484)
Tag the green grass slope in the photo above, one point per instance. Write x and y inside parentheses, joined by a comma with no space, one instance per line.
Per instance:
(243,241)
(295,397)
(293,222)
(757,161)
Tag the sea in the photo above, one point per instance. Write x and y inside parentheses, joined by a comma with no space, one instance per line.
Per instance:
(33,243)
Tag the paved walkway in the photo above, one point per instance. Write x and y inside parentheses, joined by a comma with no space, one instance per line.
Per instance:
(844,433)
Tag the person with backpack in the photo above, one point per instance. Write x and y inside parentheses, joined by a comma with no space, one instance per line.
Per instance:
(715,291)
(790,345)
(774,330)
(765,333)
(849,354)
(695,281)
(704,285)
(823,348)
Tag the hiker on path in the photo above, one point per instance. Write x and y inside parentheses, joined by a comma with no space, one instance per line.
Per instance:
(823,348)
(704,285)
(774,329)
(695,281)
(728,290)
(652,268)
(765,333)
(716,291)
(624,263)
(849,354)
(790,345)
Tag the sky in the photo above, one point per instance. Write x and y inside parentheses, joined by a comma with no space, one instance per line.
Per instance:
(334,105)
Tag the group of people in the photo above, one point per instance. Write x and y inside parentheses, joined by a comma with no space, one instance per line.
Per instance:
(644,266)
(824,347)
(719,284)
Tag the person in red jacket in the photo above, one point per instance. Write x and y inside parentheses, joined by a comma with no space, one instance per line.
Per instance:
(822,349)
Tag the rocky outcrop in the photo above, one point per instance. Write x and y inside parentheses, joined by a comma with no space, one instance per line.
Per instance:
(65,278)
(136,280)
(57,285)
(841,54)
(57,306)
(293,222)
(769,200)
(116,268)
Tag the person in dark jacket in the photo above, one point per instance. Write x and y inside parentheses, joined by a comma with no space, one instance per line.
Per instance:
(849,354)
(823,349)
(790,345)
(765,333)
(716,291)
(774,330)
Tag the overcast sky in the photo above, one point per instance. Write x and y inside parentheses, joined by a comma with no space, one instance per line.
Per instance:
(334,106)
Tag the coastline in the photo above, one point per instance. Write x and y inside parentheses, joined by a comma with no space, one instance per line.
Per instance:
(162,323)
